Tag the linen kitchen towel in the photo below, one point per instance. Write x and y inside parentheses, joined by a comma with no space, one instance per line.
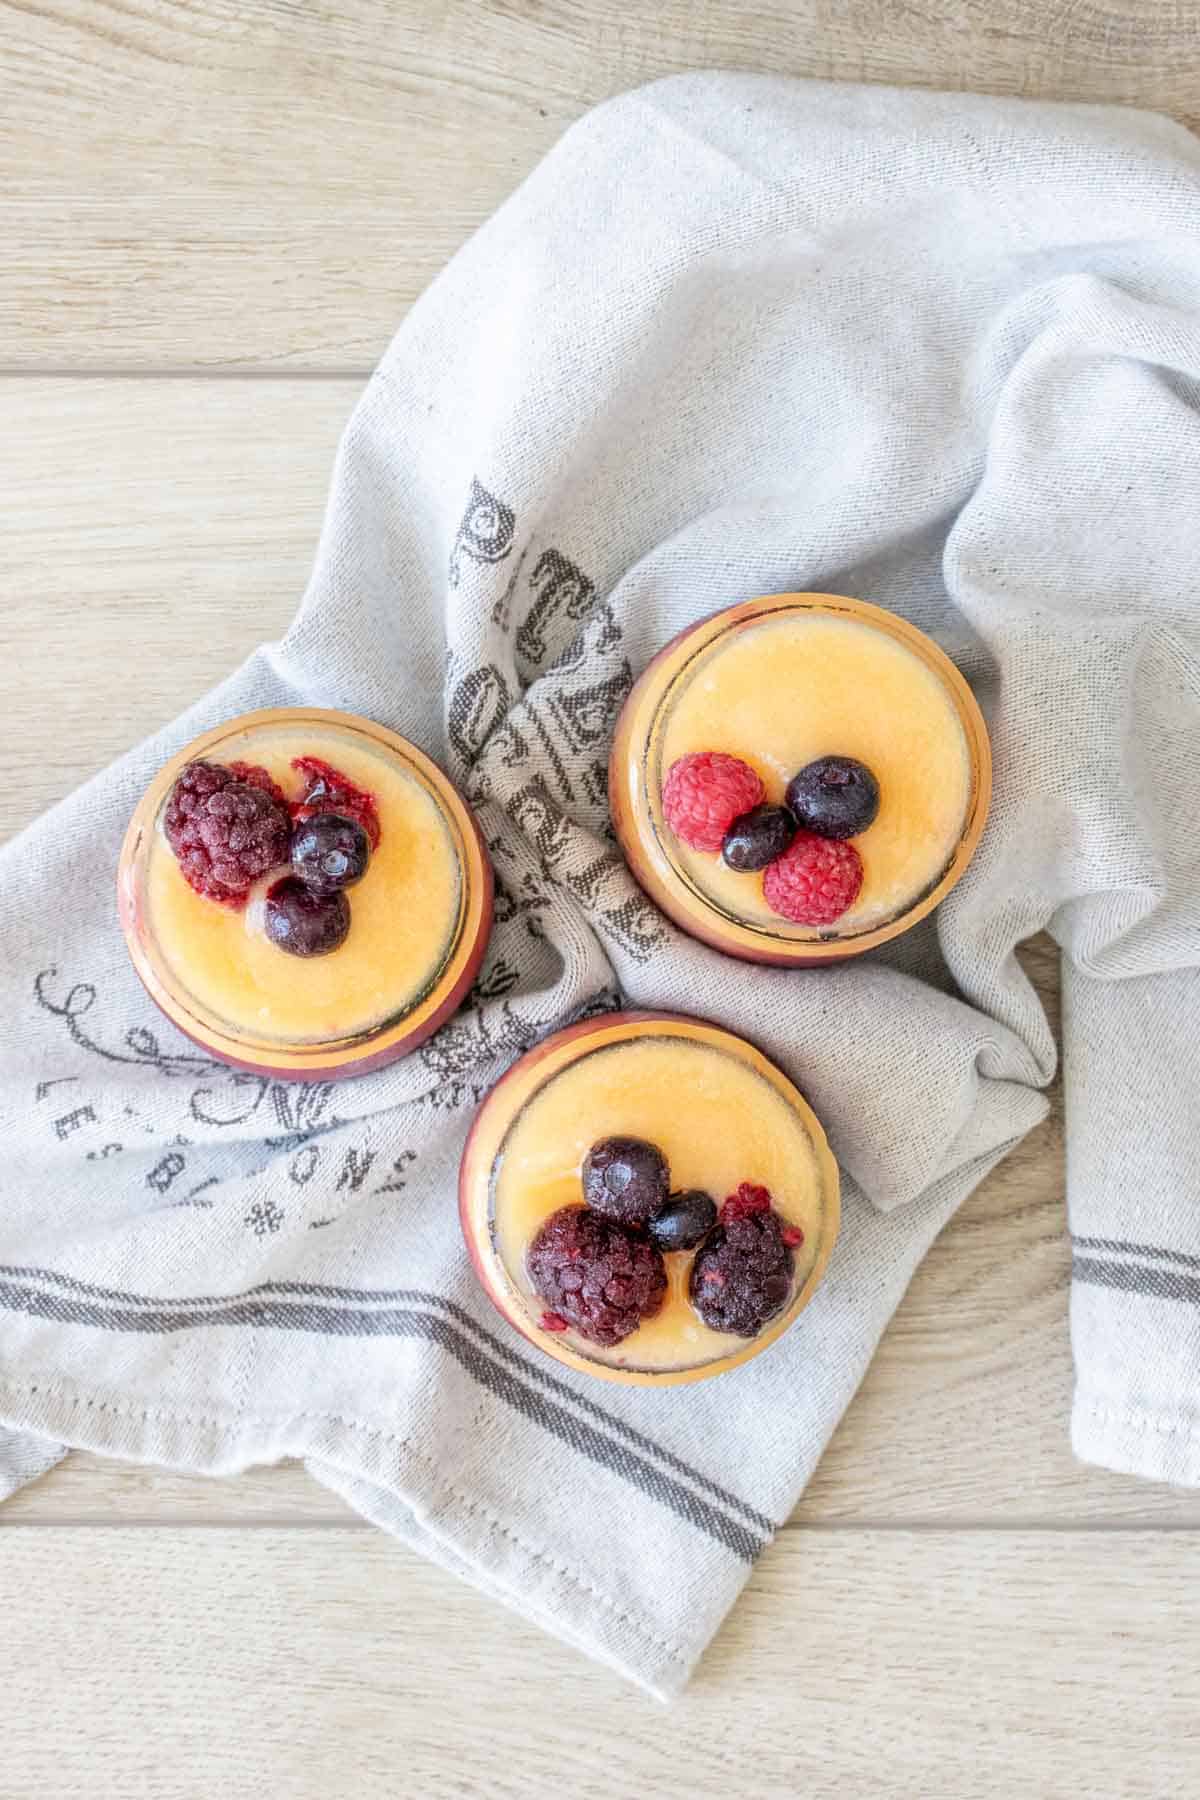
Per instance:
(735,336)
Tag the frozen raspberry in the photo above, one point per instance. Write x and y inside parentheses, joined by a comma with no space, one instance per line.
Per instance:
(742,1273)
(596,1274)
(747,1201)
(326,790)
(224,831)
(256,776)
(704,793)
(625,1178)
(813,882)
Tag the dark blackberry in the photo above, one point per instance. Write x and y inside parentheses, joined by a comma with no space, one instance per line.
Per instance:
(834,797)
(225,832)
(305,923)
(758,837)
(329,852)
(742,1273)
(625,1178)
(595,1274)
(681,1222)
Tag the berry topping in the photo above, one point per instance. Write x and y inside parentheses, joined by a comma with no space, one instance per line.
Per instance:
(596,1274)
(704,793)
(792,1236)
(225,832)
(814,881)
(747,1201)
(757,837)
(304,923)
(327,790)
(742,1273)
(329,852)
(835,797)
(255,776)
(684,1219)
(625,1178)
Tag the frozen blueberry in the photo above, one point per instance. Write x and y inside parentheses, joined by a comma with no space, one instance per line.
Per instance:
(304,923)
(757,837)
(329,852)
(625,1178)
(685,1218)
(834,797)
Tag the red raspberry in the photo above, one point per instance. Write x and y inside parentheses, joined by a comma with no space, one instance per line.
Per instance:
(704,793)
(255,776)
(748,1200)
(225,832)
(814,881)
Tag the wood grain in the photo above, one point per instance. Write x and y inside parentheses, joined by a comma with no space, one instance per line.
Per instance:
(193,544)
(251,183)
(168,1665)
(264,185)
(171,523)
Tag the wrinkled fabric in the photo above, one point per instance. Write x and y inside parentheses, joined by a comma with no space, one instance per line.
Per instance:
(735,336)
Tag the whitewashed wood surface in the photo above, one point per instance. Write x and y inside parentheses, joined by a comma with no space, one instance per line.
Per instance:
(215,216)
(204,1665)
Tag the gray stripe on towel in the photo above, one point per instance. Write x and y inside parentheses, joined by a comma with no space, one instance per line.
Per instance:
(1136,1278)
(1120,1247)
(619,1459)
(418,1297)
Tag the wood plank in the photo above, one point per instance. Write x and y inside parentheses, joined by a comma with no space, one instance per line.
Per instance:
(248,183)
(180,517)
(91,1490)
(174,520)
(872,1664)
